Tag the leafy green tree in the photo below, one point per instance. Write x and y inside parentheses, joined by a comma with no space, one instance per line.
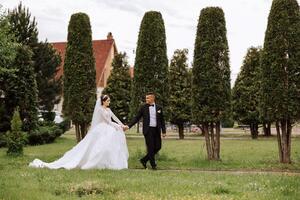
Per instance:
(47,60)
(79,74)
(245,94)
(151,62)
(23,92)
(26,34)
(24,29)
(8,49)
(211,93)
(119,86)
(179,104)
(280,79)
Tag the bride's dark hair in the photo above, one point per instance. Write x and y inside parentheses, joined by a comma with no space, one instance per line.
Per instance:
(103,98)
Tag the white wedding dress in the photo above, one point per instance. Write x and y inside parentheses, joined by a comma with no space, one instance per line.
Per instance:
(104,146)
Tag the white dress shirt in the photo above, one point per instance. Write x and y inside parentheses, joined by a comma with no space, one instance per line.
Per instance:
(152,112)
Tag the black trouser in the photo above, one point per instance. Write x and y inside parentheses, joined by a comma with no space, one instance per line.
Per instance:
(153,143)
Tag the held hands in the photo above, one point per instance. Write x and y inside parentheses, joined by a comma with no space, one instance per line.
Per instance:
(125,128)
(164,135)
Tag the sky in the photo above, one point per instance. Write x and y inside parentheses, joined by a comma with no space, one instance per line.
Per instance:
(246,22)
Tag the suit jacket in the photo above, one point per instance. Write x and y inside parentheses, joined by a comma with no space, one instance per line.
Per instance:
(145,114)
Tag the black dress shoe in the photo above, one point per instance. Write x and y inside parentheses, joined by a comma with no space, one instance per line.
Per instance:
(154,168)
(144,164)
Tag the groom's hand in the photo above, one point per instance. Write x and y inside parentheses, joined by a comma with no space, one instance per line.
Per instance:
(163,135)
(125,128)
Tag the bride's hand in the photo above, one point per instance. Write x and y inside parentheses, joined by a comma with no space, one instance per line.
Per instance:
(125,128)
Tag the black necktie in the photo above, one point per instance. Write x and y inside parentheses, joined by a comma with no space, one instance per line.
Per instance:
(151,105)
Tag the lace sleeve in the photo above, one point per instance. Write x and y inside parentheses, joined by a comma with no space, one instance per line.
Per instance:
(107,118)
(116,119)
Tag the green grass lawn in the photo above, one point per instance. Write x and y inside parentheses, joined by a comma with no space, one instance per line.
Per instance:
(18,181)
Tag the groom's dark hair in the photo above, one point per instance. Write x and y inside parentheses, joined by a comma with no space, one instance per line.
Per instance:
(150,93)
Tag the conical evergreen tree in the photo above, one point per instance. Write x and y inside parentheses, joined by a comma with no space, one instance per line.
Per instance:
(79,74)
(211,77)
(119,86)
(151,62)
(280,85)
(179,106)
(15,137)
(245,93)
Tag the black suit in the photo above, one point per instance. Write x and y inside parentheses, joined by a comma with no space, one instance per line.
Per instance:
(151,134)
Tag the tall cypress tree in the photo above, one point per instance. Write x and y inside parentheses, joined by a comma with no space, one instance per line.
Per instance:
(245,94)
(211,77)
(151,62)
(280,85)
(179,106)
(119,86)
(79,74)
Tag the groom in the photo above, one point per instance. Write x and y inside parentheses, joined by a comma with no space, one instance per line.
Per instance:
(153,125)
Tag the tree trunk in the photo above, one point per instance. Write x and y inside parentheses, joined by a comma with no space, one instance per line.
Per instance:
(83,128)
(80,131)
(254,130)
(138,127)
(284,150)
(285,139)
(267,129)
(202,130)
(207,140)
(289,137)
(181,131)
(279,141)
(77,132)
(217,141)
(284,130)
(212,140)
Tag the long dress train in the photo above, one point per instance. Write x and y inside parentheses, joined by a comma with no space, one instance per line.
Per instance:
(104,146)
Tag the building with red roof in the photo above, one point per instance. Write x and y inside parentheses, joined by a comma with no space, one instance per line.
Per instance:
(104,52)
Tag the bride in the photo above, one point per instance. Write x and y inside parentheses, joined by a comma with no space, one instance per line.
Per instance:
(104,146)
